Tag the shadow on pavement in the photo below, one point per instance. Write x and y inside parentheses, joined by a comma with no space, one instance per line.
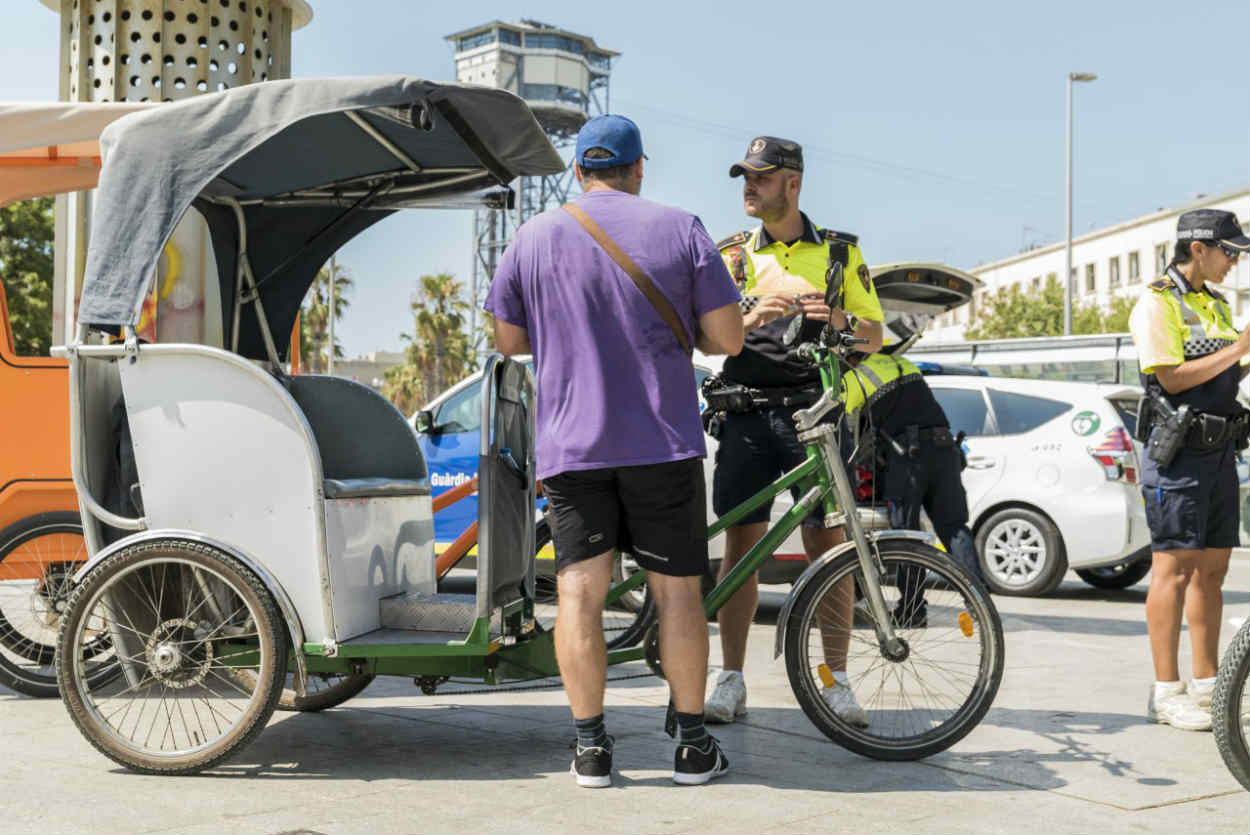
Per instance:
(774,747)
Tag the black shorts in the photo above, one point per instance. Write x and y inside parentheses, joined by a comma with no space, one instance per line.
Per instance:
(1192,503)
(756,448)
(656,512)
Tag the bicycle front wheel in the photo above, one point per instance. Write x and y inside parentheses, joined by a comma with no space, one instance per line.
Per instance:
(1230,707)
(914,703)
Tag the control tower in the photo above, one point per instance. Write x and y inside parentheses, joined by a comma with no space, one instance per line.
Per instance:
(563,77)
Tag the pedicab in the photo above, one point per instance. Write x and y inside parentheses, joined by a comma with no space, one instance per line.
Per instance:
(284,530)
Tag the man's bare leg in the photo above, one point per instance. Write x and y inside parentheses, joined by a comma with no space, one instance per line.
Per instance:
(838,608)
(683,638)
(580,651)
(735,617)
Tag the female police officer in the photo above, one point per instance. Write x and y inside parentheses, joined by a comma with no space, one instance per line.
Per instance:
(1190,357)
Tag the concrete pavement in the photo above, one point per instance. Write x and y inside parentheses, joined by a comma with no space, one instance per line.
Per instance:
(1064,749)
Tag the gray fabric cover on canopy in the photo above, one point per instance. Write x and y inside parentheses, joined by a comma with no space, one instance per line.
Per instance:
(268,145)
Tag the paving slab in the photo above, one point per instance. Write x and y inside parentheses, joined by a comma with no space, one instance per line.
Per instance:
(1065,748)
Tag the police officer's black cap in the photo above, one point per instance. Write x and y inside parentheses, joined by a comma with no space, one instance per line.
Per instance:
(768,153)
(1212,226)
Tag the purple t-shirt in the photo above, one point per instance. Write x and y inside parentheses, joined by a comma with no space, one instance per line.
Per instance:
(614,387)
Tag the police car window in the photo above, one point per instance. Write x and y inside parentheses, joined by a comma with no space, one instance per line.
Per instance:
(966,410)
(462,412)
(1018,413)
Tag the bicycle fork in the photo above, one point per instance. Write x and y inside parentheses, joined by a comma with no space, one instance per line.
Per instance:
(871,566)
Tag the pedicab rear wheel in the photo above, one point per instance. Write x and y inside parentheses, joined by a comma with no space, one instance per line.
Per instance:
(921,701)
(322,691)
(185,618)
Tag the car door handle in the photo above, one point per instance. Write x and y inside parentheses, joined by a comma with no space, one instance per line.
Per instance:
(981,462)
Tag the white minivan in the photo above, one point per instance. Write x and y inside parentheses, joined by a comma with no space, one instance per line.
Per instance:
(1052,480)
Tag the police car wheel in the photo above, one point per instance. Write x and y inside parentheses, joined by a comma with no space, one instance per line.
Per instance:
(1118,576)
(1021,552)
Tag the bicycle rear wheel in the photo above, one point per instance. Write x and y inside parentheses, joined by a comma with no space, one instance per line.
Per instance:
(917,704)
(1230,707)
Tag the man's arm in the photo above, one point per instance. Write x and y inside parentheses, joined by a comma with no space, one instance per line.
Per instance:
(511,339)
(873,332)
(720,330)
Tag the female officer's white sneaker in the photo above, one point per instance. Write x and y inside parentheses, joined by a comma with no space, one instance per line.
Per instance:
(728,700)
(1173,707)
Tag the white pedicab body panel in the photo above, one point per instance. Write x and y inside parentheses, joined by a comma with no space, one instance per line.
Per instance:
(223,449)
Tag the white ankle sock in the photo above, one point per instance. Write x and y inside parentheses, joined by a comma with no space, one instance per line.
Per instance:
(841,677)
(735,674)
(1164,689)
(1203,685)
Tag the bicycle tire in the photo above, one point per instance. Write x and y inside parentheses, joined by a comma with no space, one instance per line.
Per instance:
(133,570)
(966,598)
(27,660)
(1230,713)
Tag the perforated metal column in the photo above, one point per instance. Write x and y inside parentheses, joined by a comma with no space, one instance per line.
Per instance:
(163,50)
(154,51)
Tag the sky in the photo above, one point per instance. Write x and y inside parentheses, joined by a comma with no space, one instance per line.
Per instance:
(933,131)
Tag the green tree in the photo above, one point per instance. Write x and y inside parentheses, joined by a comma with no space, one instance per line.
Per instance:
(440,347)
(1011,314)
(1115,317)
(314,323)
(26,238)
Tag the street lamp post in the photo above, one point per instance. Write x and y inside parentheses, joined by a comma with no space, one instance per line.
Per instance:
(1067,220)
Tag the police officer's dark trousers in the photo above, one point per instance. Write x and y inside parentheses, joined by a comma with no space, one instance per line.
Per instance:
(928,479)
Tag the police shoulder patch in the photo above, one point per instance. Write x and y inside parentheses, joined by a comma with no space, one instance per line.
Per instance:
(733,240)
(865,278)
(833,236)
(1160,284)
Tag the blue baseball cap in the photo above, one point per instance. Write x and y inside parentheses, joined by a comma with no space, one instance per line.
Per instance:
(616,134)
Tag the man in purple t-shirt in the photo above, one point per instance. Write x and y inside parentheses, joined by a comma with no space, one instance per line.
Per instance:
(620,442)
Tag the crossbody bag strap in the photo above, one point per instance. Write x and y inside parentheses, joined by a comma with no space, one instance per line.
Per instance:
(658,300)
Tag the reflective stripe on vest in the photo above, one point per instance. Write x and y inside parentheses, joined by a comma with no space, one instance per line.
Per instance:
(880,389)
(1198,344)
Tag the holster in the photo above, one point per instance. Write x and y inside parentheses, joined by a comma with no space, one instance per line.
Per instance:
(1171,428)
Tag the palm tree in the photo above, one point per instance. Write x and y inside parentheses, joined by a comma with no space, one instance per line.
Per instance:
(440,350)
(315,317)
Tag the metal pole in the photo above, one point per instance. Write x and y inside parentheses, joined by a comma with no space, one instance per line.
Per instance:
(330,350)
(1067,223)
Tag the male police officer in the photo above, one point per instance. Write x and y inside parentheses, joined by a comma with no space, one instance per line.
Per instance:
(780,266)
(1191,360)
(893,411)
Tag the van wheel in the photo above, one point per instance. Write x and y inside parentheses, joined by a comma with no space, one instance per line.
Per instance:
(1021,553)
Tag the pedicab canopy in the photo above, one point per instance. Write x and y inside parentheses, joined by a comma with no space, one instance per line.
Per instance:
(309,164)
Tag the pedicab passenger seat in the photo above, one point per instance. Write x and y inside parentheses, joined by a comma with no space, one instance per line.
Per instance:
(367,448)
(506,487)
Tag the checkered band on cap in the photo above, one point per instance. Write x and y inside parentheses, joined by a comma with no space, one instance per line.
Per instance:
(1195,348)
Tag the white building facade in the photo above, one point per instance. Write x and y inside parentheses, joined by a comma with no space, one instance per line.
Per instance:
(1115,261)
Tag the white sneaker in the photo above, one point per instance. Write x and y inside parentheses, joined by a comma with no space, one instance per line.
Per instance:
(728,700)
(841,699)
(1179,711)
(1200,696)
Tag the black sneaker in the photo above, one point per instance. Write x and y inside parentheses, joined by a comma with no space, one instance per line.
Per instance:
(593,765)
(911,617)
(694,766)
